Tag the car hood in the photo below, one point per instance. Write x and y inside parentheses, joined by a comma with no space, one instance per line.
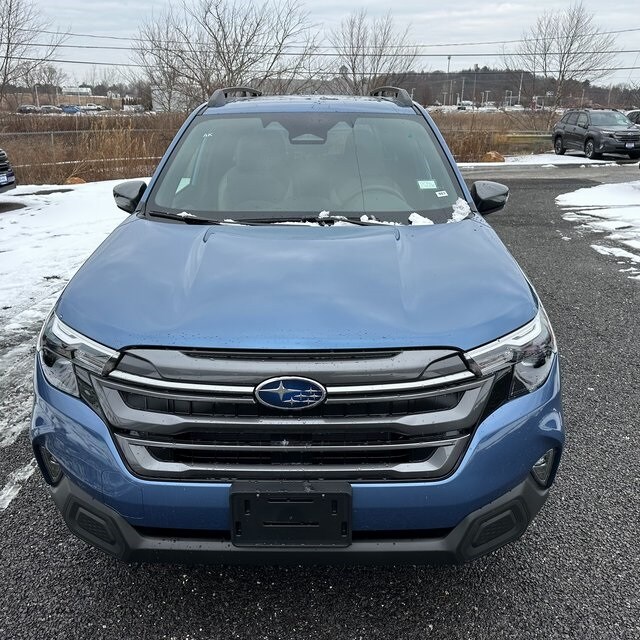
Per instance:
(298,287)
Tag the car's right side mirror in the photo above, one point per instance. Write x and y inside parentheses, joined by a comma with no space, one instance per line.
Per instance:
(489,196)
(128,194)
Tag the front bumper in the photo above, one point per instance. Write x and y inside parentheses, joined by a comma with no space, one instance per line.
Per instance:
(412,521)
(486,529)
(7,181)
(610,145)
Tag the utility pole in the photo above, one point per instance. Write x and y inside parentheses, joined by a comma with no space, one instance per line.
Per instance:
(475,79)
(462,90)
(450,82)
(520,87)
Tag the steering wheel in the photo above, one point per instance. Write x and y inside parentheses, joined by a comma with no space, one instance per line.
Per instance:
(376,188)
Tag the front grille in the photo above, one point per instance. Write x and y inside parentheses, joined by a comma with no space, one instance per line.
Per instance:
(415,426)
(629,136)
(230,409)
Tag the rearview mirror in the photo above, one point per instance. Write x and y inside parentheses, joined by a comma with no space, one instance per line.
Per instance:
(489,196)
(127,194)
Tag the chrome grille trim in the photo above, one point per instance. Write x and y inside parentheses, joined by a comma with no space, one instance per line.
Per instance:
(243,390)
(179,386)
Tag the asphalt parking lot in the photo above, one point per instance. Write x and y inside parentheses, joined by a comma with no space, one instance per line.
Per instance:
(575,574)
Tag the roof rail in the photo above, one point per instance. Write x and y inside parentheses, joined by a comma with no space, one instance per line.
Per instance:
(401,96)
(220,97)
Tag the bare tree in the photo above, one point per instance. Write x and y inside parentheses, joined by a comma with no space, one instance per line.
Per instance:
(45,79)
(187,53)
(562,48)
(21,27)
(370,52)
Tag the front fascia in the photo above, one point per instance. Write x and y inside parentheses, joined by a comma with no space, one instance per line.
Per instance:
(503,449)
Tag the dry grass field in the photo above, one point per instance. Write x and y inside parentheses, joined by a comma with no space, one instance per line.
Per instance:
(52,149)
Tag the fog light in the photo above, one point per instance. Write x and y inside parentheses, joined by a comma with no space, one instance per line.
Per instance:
(541,470)
(51,467)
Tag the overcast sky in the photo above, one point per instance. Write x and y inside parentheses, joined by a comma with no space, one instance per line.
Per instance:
(432,22)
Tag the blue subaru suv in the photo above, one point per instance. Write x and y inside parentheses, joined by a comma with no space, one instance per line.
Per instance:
(304,344)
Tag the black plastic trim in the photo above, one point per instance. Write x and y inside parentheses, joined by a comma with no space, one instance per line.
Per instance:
(456,547)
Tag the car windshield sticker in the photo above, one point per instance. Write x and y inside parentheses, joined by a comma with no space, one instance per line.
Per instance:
(442,194)
(427,184)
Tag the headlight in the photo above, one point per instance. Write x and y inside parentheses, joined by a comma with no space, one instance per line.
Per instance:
(66,356)
(529,350)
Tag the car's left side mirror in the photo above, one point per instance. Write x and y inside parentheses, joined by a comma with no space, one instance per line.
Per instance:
(489,196)
(128,194)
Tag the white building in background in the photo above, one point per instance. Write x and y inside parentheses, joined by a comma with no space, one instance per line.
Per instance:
(176,101)
(76,91)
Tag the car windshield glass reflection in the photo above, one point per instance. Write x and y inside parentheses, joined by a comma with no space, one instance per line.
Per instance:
(302,165)
(611,119)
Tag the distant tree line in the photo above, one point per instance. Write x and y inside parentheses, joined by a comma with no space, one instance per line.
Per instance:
(182,54)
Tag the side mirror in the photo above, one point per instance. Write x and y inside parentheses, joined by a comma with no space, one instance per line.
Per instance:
(127,194)
(489,196)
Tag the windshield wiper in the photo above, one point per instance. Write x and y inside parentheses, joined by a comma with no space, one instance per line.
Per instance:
(322,219)
(187,218)
(326,219)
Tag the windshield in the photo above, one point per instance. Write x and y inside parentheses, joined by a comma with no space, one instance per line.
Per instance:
(609,119)
(290,165)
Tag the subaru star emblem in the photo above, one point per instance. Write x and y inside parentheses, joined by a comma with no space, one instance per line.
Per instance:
(290,393)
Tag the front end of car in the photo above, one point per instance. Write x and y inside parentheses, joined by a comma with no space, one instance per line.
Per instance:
(396,455)
(296,372)
(7,175)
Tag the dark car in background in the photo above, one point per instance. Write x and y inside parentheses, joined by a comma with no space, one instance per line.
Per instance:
(596,131)
(7,176)
(27,108)
(634,116)
(50,109)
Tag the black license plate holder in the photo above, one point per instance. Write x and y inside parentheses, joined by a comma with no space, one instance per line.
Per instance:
(291,514)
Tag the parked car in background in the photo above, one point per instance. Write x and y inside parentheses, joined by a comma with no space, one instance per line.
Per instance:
(596,131)
(50,109)
(7,175)
(27,108)
(326,353)
(634,116)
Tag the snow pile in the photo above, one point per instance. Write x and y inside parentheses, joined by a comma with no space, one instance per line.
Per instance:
(461,210)
(545,160)
(612,209)
(43,243)
(416,219)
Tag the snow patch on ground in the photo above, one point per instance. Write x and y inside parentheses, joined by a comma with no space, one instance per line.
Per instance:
(612,209)
(16,479)
(547,160)
(43,244)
